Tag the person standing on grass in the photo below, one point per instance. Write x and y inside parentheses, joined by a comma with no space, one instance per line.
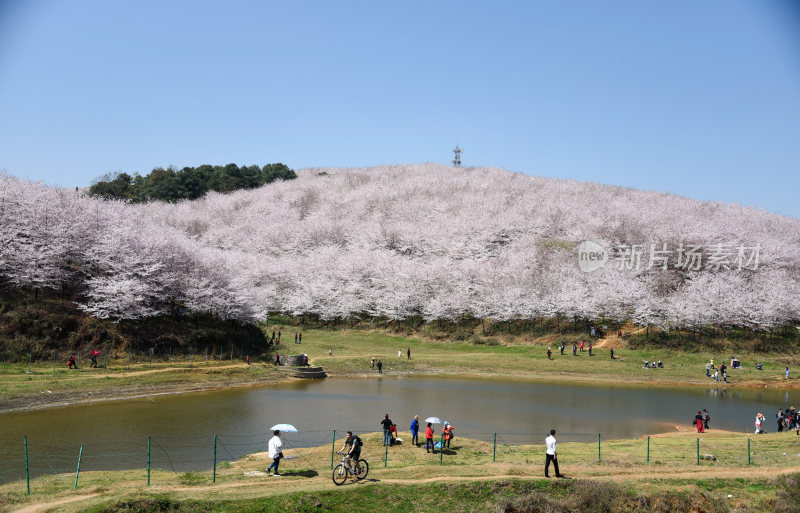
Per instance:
(414,427)
(581,346)
(561,347)
(760,424)
(408,353)
(708,370)
(330,351)
(380,367)
(612,353)
(549,354)
(706,418)
(787,372)
(550,443)
(780,417)
(698,420)
(71,364)
(372,363)
(387,425)
(300,338)
(429,439)
(274,448)
(590,348)
(295,337)
(574,349)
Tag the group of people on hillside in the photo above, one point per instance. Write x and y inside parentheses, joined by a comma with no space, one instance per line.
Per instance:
(72,363)
(719,372)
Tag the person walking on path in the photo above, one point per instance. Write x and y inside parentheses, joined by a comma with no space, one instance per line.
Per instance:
(408,353)
(612,353)
(387,425)
(380,367)
(550,443)
(71,364)
(248,359)
(698,420)
(93,363)
(429,439)
(780,417)
(414,427)
(706,418)
(274,448)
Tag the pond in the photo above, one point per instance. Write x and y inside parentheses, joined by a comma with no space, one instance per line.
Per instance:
(182,427)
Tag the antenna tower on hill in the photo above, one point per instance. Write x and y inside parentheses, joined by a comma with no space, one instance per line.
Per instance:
(457,156)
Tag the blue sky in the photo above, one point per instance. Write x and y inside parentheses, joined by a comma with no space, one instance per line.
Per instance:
(695,98)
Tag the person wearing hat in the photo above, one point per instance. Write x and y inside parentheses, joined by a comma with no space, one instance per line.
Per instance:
(274,448)
(447,430)
(698,419)
(759,423)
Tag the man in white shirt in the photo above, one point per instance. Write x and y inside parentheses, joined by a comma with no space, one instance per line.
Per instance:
(550,443)
(274,448)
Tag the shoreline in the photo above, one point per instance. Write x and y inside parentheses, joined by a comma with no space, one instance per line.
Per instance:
(30,402)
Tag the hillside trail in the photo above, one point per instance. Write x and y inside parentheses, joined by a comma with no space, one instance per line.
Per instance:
(133,373)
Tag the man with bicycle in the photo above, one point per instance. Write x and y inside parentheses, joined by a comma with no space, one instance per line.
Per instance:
(355,450)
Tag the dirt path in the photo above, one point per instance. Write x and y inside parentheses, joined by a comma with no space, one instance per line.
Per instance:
(45,506)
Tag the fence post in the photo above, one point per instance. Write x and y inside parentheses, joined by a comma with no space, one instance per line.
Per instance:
(148,461)
(30,359)
(27,466)
(494,448)
(598,446)
(648,448)
(214,480)
(78,471)
(54,360)
(698,451)
(333,447)
(386,453)
(441,449)
(748,451)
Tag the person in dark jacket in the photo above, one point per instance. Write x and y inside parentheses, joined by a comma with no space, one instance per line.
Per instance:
(698,419)
(387,425)
(706,418)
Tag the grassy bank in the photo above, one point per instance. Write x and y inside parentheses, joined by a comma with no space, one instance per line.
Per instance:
(348,353)
(463,479)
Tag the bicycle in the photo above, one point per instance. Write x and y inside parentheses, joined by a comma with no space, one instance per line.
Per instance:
(346,468)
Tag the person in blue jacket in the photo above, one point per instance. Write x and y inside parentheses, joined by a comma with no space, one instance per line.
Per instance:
(415,430)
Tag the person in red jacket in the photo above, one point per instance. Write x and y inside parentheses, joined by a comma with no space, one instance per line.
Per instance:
(429,438)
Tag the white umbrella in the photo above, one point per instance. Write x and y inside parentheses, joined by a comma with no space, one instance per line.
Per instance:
(285,428)
(434,420)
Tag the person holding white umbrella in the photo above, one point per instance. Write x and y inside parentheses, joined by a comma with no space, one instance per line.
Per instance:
(274,447)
